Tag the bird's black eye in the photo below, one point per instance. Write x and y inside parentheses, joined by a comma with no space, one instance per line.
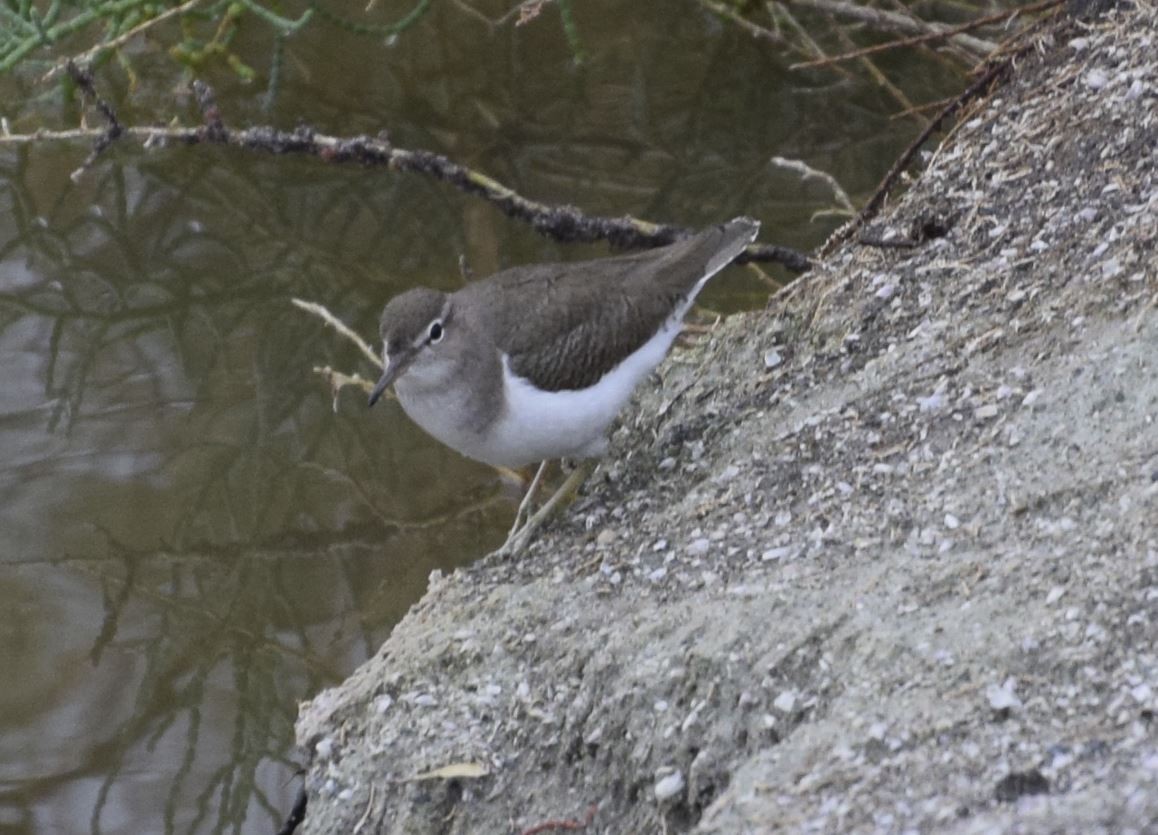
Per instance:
(435,331)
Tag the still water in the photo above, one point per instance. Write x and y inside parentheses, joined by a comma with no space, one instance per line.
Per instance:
(191,539)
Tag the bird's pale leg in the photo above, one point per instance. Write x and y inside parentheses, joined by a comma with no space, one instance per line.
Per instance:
(518,540)
(525,504)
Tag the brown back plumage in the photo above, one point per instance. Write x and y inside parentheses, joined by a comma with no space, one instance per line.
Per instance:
(564,326)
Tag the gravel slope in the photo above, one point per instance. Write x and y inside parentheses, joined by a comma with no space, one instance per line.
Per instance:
(883,557)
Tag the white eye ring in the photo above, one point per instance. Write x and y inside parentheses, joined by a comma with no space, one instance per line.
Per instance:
(436,332)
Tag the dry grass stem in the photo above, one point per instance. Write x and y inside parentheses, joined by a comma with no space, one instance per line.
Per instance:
(807,172)
(893,22)
(341,327)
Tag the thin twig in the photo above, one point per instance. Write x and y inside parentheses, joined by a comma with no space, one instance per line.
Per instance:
(753,29)
(82,77)
(341,327)
(807,172)
(877,74)
(778,11)
(120,40)
(921,108)
(949,47)
(928,37)
(892,22)
(365,815)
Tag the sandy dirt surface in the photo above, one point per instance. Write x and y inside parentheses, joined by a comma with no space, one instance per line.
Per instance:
(881,558)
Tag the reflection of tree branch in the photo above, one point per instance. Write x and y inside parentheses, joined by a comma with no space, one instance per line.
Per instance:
(114,605)
(432,521)
(561,222)
(227,625)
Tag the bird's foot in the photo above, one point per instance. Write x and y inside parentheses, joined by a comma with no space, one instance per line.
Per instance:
(525,505)
(522,532)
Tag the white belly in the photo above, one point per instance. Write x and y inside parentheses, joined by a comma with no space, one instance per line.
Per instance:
(539,425)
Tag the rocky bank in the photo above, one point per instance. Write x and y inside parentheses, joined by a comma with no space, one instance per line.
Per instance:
(880,558)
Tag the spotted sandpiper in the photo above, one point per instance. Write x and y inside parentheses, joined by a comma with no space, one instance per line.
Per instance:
(534,363)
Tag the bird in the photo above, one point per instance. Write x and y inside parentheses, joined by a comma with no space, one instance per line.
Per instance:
(535,362)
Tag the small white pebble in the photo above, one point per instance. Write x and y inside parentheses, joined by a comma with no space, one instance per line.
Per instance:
(325,748)
(1096,79)
(785,702)
(1001,696)
(729,473)
(668,787)
(772,358)
(699,547)
(933,403)
(952,522)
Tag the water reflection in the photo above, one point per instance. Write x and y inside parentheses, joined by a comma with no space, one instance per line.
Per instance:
(191,539)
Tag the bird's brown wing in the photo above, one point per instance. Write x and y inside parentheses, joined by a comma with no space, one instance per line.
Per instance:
(563,326)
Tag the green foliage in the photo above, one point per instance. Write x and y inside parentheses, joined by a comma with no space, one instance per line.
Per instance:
(206,28)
